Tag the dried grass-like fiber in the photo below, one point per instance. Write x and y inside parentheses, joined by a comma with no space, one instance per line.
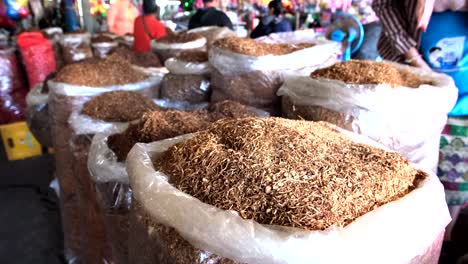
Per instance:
(118,106)
(142,59)
(182,37)
(369,72)
(112,70)
(159,125)
(288,173)
(254,48)
(193,56)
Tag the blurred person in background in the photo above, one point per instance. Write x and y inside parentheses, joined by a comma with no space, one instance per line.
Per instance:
(120,17)
(210,16)
(147,27)
(273,22)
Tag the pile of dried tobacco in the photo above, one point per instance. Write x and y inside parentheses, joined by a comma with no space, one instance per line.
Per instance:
(118,106)
(100,72)
(369,72)
(254,48)
(142,59)
(193,56)
(101,39)
(159,125)
(288,173)
(182,37)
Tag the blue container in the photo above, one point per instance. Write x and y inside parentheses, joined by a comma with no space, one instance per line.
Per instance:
(445,48)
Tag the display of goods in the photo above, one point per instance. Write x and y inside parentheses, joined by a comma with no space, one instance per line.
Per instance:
(83,223)
(38,56)
(213,33)
(126,41)
(401,107)
(12,88)
(251,72)
(108,169)
(55,34)
(172,45)
(188,79)
(141,59)
(281,187)
(95,73)
(188,88)
(103,46)
(76,47)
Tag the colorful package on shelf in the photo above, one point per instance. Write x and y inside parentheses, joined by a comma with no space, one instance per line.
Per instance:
(38,56)
(12,88)
(453,166)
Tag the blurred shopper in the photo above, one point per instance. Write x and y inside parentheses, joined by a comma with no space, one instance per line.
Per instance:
(120,17)
(210,16)
(272,23)
(147,27)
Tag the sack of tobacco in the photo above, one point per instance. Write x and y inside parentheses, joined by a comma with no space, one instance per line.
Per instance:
(188,79)
(76,47)
(173,44)
(213,33)
(281,191)
(251,72)
(403,108)
(74,117)
(108,151)
(38,114)
(103,45)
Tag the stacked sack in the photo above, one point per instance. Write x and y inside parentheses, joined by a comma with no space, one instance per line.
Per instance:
(172,45)
(251,72)
(188,79)
(270,190)
(403,108)
(108,152)
(74,85)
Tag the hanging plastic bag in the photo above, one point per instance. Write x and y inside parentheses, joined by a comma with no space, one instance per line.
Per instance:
(407,120)
(168,224)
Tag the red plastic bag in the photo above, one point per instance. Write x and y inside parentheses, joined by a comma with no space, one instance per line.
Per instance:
(12,88)
(38,56)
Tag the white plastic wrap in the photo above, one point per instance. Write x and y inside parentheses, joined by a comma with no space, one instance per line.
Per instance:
(407,120)
(404,231)
(38,115)
(231,63)
(196,44)
(213,33)
(76,47)
(176,66)
(103,49)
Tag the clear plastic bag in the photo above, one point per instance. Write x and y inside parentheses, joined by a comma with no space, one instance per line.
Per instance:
(38,115)
(76,47)
(187,88)
(55,34)
(166,51)
(407,120)
(103,49)
(83,222)
(408,230)
(255,80)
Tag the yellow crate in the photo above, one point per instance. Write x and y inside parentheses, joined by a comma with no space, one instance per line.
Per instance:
(19,142)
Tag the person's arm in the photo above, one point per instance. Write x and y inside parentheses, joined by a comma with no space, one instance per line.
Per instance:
(393,23)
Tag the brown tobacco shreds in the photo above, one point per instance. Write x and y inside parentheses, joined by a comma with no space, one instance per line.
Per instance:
(159,125)
(102,39)
(118,106)
(100,72)
(369,72)
(193,56)
(142,59)
(254,48)
(183,37)
(286,172)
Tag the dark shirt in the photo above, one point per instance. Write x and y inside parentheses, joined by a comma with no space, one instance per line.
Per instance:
(270,25)
(209,17)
